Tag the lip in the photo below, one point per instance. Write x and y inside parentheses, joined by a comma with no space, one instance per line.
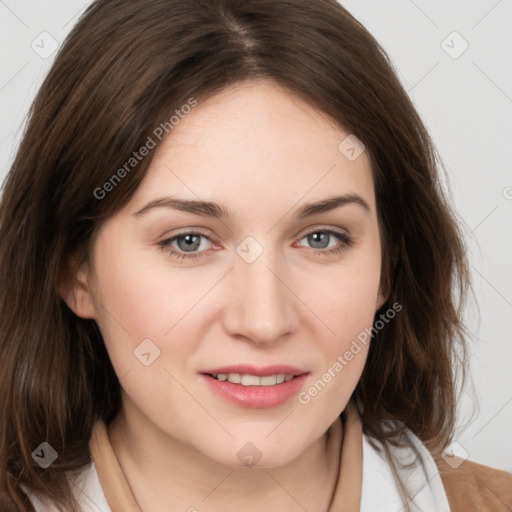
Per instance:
(255,370)
(256,397)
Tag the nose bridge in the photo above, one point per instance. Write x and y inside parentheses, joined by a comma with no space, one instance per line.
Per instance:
(262,307)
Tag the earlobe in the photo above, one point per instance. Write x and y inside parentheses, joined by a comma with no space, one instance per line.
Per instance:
(385,282)
(381,299)
(74,290)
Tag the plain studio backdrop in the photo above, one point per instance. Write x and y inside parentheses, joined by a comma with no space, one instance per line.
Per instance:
(454,59)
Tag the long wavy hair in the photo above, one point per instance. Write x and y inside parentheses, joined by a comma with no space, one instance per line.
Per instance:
(123,70)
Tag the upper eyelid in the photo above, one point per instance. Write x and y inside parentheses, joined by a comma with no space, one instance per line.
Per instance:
(213,239)
(326,230)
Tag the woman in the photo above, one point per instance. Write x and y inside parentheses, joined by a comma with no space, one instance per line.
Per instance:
(228,273)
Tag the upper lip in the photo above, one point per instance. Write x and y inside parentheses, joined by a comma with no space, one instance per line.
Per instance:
(260,371)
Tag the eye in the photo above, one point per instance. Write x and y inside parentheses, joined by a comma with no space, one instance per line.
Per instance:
(187,244)
(320,240)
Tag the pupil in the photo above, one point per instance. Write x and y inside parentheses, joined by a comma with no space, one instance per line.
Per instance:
(190,244)
(318,238)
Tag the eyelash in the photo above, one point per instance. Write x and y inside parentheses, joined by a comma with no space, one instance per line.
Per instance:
(346,243)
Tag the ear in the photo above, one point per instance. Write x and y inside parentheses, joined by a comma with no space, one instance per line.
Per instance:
(384,292)
(385,284)
(382,297)
(74,289)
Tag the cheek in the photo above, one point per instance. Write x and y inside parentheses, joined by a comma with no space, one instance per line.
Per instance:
(346,295)
(345,300)
(139,298)
(346,305)
(349,316)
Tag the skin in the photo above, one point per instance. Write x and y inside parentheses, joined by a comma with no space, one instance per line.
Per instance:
(262,153)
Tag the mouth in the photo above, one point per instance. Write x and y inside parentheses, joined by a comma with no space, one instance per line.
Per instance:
(249,386)
(253,380)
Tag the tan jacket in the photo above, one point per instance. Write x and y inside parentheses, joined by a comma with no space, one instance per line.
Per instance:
(473,487)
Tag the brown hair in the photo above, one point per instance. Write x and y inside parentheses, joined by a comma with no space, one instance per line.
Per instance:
(124,69)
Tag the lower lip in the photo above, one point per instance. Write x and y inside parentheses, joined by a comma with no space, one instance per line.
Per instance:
(256,397)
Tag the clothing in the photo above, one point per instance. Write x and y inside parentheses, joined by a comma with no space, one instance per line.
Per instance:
(365,483)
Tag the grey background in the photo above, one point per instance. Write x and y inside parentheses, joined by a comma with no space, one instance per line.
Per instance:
(466,103)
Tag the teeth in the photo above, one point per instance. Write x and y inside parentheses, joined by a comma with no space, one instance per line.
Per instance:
(235,378)
(253,380)
(250,380)
(269,380)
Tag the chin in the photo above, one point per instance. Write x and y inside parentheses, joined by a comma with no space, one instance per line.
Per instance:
(262,454)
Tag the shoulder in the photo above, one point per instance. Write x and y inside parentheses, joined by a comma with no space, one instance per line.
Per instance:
(475,487)
(434,483)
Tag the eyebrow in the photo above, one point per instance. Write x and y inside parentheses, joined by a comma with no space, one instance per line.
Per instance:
(214,210)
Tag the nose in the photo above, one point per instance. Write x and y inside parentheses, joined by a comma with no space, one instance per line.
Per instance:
(261,303)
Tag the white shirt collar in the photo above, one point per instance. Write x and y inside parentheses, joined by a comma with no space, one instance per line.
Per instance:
(380,490)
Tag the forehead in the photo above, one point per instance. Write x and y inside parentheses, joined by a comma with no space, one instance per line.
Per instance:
(253,144)
(256,112)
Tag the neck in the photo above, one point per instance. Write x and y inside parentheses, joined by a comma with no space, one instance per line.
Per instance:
(164,474)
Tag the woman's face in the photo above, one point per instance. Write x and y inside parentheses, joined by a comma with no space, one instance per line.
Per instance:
(181,292)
